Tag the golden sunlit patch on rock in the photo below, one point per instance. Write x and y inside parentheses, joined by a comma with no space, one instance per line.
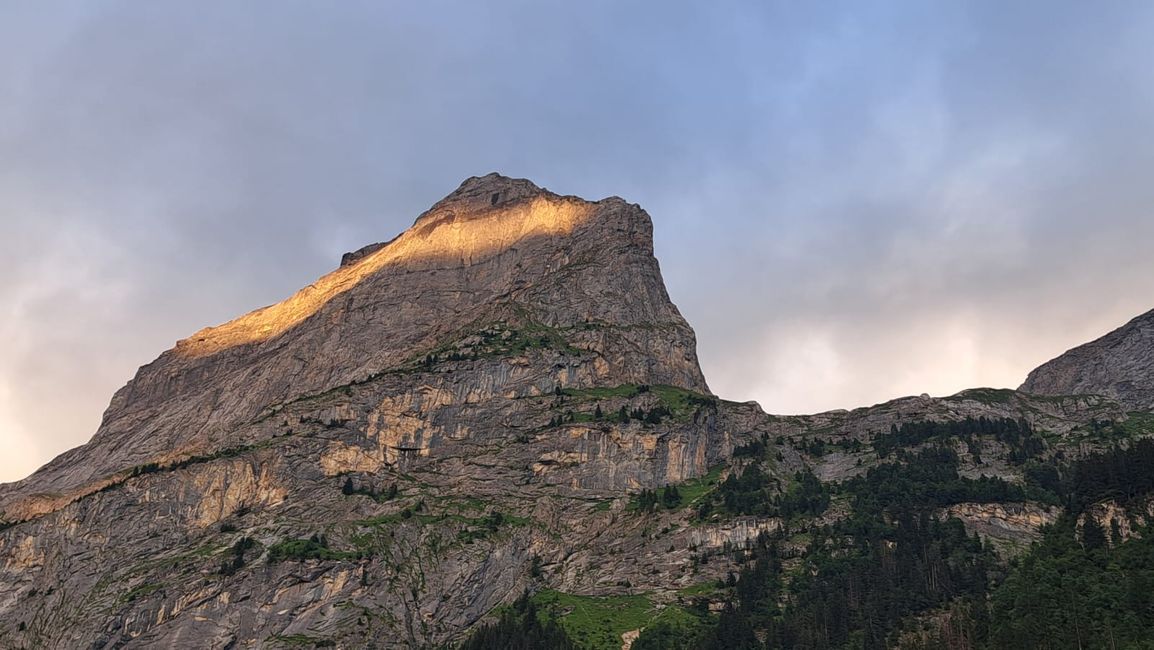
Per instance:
(443,237)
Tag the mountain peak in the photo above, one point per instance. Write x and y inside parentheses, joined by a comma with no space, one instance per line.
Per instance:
(480,198)
(502,202)
(492,188)
(475,198)
(573,282)
(485,216)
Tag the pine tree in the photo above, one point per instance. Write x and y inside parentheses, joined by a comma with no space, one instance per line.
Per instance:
(1093,535)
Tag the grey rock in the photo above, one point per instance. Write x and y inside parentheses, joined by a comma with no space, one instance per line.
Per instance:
(1119,365)
(362,252)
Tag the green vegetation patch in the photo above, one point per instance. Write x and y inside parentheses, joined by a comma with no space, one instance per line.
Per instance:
(597,622)
(520,626)
(679,401)
(301,641)
(675,403)
(1019,436)
(142,591)
(677,495)
(371,533)
(675,628)
(624,391)
(860,577)
(602,506)
(699,589)
(500,340)
(487,526)
(314,548)
(682,402)
(694,489)
(754,492)
(1139,423)
(927,479)
(985,395)
(532,335)
(1107,431)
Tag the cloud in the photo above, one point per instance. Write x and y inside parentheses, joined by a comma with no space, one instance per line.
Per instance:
(853,201)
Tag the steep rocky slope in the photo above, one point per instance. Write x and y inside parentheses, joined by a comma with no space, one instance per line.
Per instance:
(1119,365)
(474,409)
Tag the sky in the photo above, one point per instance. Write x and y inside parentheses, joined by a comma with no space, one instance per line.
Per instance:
(853,201)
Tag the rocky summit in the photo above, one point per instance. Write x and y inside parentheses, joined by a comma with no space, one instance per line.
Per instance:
(492,431)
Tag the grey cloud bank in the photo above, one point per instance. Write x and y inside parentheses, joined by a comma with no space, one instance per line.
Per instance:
(852,202)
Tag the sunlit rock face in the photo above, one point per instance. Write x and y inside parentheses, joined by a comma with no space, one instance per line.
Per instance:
(1119,365)
(571,284)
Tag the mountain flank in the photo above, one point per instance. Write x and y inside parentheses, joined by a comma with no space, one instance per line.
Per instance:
(492,431)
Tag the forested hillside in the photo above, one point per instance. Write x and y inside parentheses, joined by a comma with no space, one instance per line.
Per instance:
(875,560)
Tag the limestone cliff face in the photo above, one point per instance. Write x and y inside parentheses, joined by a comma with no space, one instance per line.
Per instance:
(498,257)
(1119,365)
(1010,527)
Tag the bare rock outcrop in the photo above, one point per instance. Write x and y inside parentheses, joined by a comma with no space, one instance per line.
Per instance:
(1119,365)
(1011,527)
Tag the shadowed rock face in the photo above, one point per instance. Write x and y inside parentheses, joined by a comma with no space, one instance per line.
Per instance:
(1118,365)
(498,254)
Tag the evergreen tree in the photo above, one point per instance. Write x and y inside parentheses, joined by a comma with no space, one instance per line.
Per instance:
(733,632)
(647,500)
(1093,535)
(521,627)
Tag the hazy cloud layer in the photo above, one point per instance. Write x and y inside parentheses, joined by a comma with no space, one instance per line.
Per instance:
(852,202)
